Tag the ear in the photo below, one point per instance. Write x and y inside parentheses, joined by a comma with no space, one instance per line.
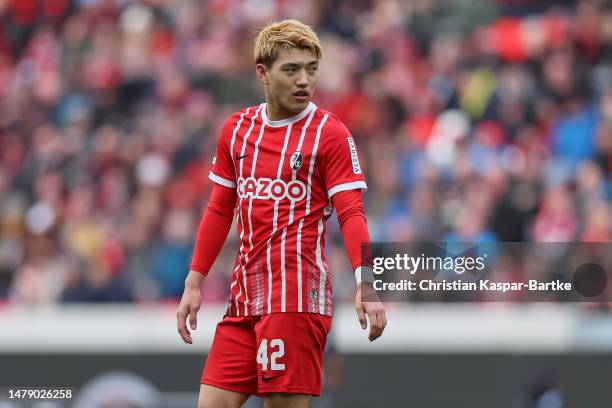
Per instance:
(262,73)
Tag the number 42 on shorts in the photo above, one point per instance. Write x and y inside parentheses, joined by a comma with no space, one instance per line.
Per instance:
(262,354)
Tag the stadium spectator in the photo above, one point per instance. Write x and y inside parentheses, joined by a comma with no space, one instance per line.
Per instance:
(110,111)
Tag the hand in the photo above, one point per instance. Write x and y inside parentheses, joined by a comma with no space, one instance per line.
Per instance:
(368,303)
(189,306)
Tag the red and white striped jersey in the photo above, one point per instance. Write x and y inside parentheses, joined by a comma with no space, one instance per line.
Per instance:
(285,173)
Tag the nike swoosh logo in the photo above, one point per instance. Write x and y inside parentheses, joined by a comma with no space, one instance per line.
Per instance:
(241,157)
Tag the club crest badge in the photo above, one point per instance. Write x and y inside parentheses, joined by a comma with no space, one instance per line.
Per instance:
(296,160)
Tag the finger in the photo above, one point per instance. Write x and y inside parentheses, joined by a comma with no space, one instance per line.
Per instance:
(373,325)
(377,324)
(361,317)
(185,334)
(193,317)
(380,326)
(182,329)
(180,320)
(384,319)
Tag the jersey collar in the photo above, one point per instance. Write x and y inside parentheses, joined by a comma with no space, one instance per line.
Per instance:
(284,122)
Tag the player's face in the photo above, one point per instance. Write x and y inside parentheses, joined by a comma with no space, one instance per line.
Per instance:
(290,81)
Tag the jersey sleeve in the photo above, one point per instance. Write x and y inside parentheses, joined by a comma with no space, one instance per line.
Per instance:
(341,168)
(223,171)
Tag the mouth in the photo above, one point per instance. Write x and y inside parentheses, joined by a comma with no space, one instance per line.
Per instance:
(301,95)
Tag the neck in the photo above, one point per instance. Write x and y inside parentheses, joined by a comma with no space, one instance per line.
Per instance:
(275,111)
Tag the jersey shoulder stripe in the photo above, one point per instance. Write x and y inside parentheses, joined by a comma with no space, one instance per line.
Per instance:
(334,127)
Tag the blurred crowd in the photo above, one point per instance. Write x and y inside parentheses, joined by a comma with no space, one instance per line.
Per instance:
(476,120)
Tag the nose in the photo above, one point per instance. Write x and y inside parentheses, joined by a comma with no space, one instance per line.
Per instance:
(302,78)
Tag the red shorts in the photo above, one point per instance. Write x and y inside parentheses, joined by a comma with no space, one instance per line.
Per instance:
(279,352)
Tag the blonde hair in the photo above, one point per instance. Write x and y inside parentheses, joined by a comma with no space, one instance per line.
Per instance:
(284,34)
